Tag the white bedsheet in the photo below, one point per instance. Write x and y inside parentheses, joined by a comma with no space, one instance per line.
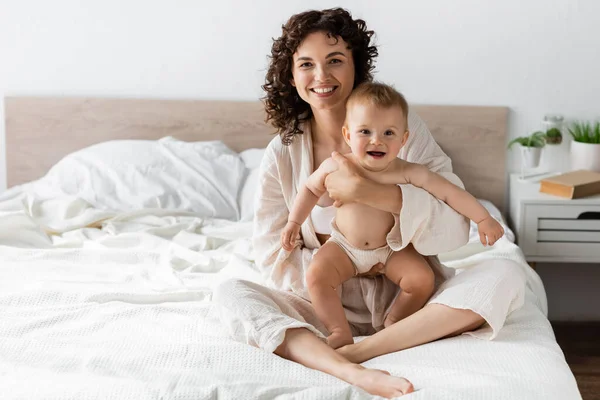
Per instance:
(123,311)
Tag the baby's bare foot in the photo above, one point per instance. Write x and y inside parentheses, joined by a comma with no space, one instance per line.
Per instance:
(339,339)
(380,383)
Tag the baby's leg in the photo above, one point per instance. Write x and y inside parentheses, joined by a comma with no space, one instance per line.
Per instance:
(329,268)
(409,270)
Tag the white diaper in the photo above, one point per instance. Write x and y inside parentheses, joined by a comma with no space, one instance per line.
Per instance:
(363,260)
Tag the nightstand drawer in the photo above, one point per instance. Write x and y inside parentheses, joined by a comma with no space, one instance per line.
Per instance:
(561,224)
(561,230)
(568,236)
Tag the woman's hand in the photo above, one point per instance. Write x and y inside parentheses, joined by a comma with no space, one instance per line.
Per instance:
(375,270)
(344,184)
(349,185)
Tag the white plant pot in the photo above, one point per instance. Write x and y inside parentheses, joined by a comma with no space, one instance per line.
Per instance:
(585,156)
(530,156)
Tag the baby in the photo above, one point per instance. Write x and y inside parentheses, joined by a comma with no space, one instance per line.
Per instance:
(376,128)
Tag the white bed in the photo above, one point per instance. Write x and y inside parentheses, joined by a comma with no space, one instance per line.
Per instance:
(105,291)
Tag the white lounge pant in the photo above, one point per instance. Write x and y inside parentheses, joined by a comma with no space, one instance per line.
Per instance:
(260,316)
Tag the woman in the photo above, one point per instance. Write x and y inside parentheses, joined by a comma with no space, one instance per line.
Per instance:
(320,57)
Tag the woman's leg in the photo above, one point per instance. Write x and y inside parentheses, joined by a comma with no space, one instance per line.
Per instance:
(432,322)
(329,268)
(287,324)
(305,348)
(493,289)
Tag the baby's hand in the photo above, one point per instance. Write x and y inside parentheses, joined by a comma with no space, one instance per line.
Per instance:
(490,231)
(290,233)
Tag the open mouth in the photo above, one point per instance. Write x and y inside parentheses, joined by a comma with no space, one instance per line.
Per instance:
(376,154)
(324,92)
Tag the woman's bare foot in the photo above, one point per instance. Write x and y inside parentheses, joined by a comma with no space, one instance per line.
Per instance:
(378,382)
(338,339)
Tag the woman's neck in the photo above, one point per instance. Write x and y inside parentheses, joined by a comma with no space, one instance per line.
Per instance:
(326,127)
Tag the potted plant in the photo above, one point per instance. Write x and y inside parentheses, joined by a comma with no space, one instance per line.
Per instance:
(531,148)
(585,148)
(553,136)
(553,124)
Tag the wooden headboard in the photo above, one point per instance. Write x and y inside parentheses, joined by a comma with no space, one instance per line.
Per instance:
(42,130)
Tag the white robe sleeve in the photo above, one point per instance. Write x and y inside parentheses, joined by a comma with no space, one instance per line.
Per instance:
(282,269)
(431,225)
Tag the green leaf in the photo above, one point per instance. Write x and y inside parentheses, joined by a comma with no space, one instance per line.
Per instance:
(536,139)
(583,132)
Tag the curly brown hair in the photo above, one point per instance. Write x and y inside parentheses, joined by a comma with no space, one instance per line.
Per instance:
(285,109)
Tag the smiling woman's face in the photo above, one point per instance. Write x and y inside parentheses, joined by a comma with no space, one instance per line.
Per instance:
(323,71)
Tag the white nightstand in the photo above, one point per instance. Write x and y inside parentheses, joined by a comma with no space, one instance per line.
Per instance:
(554,229)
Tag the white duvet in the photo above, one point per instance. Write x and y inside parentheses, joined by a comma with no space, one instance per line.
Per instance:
(123,311)
(100,303)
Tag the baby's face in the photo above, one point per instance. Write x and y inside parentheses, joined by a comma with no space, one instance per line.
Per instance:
(375,134)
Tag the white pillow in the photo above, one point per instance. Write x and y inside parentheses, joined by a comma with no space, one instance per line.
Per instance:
(201,177)
(252,159)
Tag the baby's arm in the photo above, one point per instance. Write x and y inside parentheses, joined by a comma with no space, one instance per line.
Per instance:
(311,192)
(393,174)
(457,198)
(305,201)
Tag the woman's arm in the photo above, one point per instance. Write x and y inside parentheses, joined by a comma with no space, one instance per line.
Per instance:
(349,185)
(456,197)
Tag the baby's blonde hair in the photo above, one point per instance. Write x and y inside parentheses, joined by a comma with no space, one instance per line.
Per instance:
(378,95)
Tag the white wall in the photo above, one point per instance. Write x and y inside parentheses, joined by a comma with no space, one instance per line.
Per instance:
(534,56)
